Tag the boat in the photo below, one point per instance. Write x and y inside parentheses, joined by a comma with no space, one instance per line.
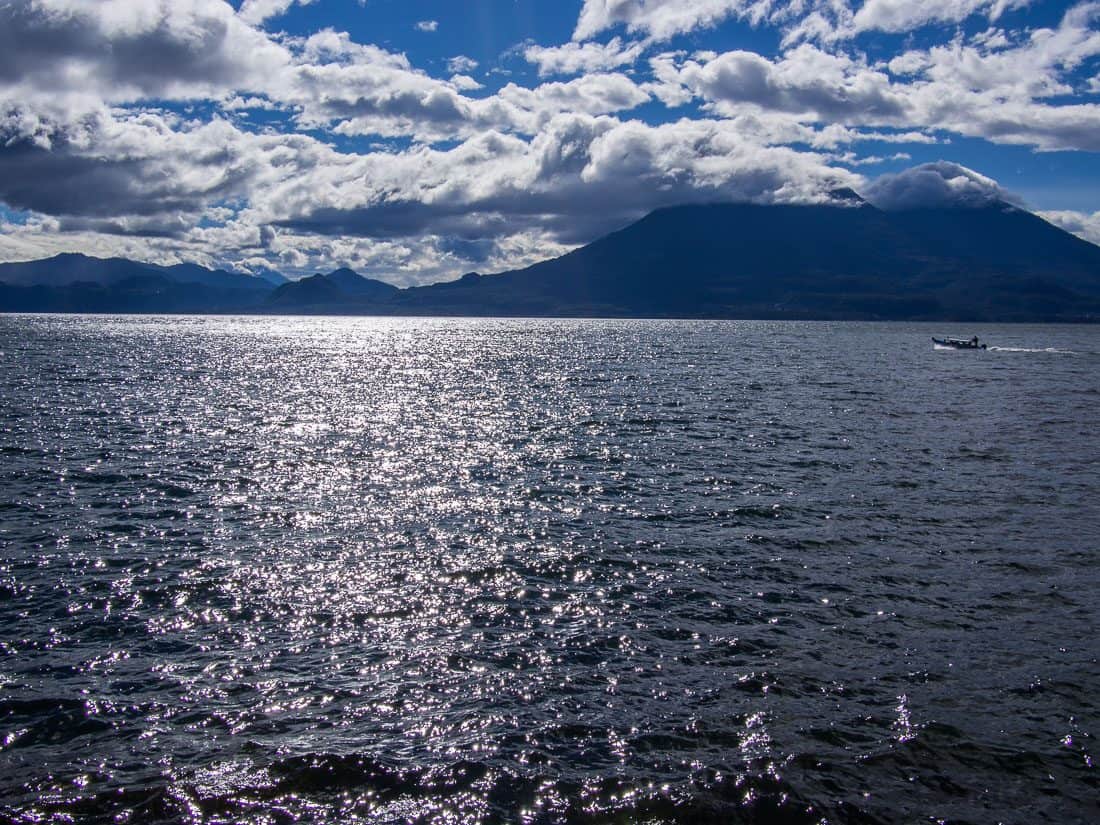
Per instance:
(957,343)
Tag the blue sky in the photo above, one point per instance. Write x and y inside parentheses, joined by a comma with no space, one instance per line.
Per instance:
(416,141)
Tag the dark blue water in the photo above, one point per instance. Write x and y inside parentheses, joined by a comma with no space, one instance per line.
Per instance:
(275,571)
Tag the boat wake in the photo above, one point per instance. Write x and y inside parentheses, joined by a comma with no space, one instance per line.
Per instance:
(1031,349)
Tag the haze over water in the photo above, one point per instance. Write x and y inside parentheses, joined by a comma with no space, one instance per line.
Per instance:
(325,570)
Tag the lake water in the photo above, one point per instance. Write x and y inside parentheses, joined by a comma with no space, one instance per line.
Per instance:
(407,570)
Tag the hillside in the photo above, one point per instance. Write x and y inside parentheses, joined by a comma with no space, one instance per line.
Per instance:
(843,262)
(847,261)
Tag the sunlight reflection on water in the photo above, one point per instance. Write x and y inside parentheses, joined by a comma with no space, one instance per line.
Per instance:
(456,571)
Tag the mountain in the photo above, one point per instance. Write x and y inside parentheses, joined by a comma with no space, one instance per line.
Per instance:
(271,276)
(352,283)
(217,278)
(149,293)
(341,291)
(70,268)
(847,260)
(65,269)
(79,283)
(316,290)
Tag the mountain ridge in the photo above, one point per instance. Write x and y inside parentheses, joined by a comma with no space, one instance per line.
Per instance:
(846,261)
(72,267)
(803,261)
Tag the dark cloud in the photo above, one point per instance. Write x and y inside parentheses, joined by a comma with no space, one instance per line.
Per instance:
(343,93)
(164,51)
(105,168)
(394,219)
(476,251)
(57,181)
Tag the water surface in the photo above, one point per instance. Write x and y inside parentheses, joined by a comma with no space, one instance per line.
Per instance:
(359,570)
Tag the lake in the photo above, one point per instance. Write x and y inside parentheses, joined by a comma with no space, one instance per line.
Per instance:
(281,570)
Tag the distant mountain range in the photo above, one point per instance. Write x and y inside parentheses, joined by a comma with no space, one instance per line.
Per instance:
(78,283)
(847,261)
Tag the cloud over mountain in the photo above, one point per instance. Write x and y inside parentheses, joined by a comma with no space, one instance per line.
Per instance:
(936,185)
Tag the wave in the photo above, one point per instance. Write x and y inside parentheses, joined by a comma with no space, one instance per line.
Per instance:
(330,788)
(1053,350)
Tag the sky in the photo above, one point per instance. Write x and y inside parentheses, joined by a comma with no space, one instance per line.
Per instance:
(417,140)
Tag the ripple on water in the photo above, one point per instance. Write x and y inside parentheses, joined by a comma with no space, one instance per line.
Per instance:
(303,570)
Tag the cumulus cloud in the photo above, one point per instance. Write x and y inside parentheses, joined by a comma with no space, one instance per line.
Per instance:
(257,11)
(130,125)
(122,51)
(905,15)
(465,83)
(137,165)
(378,93)
(998,93)
(427,25)
(461,64)
(800,20)
(579,176)
(659,19)
(807,80)
(575,58)
(933,185)
(375,92)
(1081,224)
(108,174)
(151,175)
(592,94)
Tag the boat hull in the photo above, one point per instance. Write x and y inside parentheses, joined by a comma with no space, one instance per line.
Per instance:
(956,343)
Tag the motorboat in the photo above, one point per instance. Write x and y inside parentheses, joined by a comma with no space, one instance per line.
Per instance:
(957,343)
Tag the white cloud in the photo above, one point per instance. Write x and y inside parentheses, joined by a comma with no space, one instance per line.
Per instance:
(853,159)
(999,93)
(427,25)
(591,94)
(908,63)
(659,19)
(820,20)
(145,172)
(808,81)
(257,11)
(578,176)
(577,58)
(464,83)
(91,150)
(991,39)
(371,91)
(1081,224)
(364,90)
(906,15)
(461,64)
(61,56)
(934,185)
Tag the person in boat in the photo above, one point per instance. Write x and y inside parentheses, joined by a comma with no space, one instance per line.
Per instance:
(974,341)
